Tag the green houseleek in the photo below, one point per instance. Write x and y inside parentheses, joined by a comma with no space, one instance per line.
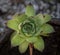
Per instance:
(29,29)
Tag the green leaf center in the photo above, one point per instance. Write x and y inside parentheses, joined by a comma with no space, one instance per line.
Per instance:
(28,27)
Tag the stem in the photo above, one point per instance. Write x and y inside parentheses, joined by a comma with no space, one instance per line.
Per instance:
(31,49)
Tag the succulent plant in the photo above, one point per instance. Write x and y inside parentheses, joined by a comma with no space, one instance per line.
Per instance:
(29,29)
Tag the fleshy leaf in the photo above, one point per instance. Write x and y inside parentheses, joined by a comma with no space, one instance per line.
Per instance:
(13,24)
(46,29)
(39,18)
(43,18)
(31,39)
(30,11)
(16,39)
(39,44)
(20,18)
(47,17)
(23,47)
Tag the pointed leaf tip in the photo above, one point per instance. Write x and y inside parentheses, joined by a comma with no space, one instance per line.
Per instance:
(39,44)
(13,24)
(46,29)
(47,17)
(16,39)
(23,47)
(30,11)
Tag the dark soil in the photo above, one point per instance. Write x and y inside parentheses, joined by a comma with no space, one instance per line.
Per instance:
(52,46)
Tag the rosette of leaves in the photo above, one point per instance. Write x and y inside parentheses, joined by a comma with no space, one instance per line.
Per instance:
(29,29)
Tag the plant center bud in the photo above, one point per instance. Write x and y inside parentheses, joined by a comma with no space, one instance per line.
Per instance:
(28,27)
